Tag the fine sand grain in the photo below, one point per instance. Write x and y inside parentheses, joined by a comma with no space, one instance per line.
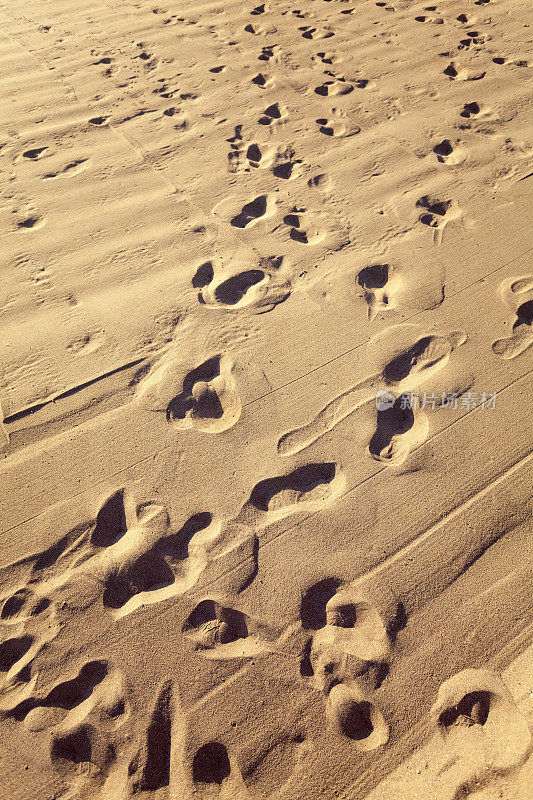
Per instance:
(266,325)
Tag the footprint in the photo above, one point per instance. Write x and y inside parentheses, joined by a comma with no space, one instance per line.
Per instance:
(472,110)
(433,20)
(216,774)
(501,60)
(256,30)
(447,153)
(337,124)
(70,169)
(272,115)
(517,294)
(15,654)
(87,344)
(402,374)
(219,632)
(302,229)
(260,289)
(462,74)
(306,489)
(33,222)
(35,153)
(354,630)
(62,704)
(264,81)
(261,207)
(208,401)
(480,723)
(352,715)
(327,58)
(380,284)
(270,52)
(438,213)
(205,399)
(333,88)
(314,33)
(399,430)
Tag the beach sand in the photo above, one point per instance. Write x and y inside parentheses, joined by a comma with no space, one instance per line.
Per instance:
(265,376)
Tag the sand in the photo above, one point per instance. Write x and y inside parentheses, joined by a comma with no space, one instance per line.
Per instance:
(265,430)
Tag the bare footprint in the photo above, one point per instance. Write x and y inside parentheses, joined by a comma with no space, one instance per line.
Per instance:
(334,88)
(302,228)
(448,153)
(354,631)
(458,73)
(517,294)
(336,125)
(403,374)
(438,213)
(259,289)
(261,207)
(399,429)
(307,489)
(315,33)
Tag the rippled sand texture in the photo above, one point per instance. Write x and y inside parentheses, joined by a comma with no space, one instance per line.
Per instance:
(265,346)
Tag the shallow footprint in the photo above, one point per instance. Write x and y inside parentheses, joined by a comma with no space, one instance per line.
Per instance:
(218,632)
(517,294)
(307,489)
(477,717)
(401,374)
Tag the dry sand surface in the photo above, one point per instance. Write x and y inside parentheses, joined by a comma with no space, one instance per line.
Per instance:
(227,570)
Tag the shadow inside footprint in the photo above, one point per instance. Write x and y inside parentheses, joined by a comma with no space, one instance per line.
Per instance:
(12,651)
(391,422)
(473,709)
(314,601)
(356,721)
(374,277)
(71,693)
(74,748)
(524,314)
(207,403)
(400,367)
(302,480)
(231,291)
(110,521)
(211,624)
(203,276)
(68,694)
(250,212)
(154,569)
(148,573)
(211,764)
